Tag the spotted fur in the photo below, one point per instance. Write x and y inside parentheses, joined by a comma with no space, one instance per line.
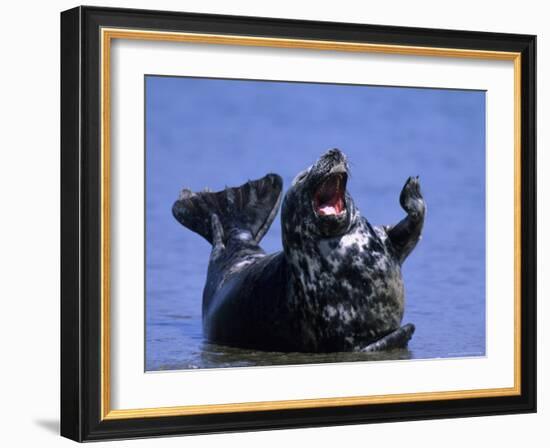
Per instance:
(336,286)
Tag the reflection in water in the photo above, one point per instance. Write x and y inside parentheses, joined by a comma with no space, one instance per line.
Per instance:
(208,133)
(222,356)
(216,356)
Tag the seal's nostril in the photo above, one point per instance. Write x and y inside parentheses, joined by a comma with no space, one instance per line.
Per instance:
(334,154)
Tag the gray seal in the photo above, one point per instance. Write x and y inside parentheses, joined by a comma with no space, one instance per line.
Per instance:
(335,286)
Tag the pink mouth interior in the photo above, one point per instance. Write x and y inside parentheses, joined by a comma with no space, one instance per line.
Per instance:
(329,197)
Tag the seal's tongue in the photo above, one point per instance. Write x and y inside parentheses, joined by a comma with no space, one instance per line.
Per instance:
(329,197)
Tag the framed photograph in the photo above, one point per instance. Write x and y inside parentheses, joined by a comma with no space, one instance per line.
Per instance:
(273,223)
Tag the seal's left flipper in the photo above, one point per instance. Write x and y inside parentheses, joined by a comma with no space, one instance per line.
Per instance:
(396,339)
(406,233)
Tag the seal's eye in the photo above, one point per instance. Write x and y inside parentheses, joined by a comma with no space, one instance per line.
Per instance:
(300,177)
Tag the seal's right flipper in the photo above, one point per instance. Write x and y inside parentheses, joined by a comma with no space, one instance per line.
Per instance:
(249,209)
(396,339)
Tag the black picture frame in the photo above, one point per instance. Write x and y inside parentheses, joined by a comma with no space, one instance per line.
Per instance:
(81,413)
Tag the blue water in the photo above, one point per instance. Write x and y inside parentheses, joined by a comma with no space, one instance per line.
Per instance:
(212,133)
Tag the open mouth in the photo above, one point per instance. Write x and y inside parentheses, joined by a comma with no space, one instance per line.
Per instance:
(328,199)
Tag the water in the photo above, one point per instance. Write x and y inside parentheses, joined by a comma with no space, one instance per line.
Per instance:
(212,133)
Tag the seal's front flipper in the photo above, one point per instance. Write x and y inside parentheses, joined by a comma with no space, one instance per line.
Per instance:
(396,339)
(405,234)
(247,210)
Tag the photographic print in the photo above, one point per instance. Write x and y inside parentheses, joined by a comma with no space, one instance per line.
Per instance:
(296,223)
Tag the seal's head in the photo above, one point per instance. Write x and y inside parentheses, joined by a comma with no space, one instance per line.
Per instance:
(318,205)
